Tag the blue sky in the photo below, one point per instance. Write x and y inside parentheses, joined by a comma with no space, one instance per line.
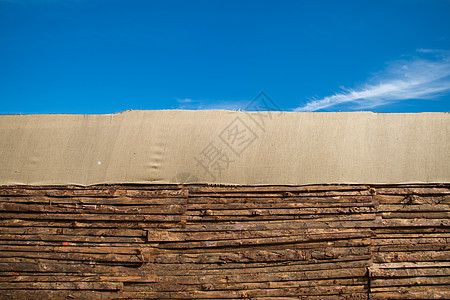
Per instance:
(106,56)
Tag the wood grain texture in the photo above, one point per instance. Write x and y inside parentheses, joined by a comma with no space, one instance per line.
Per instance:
(220,242)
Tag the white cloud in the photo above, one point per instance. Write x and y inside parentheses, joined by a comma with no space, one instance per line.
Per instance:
(414,79)
(185,100)
(223,104)
(191,104)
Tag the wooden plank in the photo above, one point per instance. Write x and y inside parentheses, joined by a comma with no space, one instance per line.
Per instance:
(258,255)
(110,257)
(72,238)
(274,188)
(284,194)
(249,285)
(413,191)
(415,223)
(420,272)
(181,293)
(396,235)
(274,205)
(73,249)
(415,208)
(43,266)
(173,236)
(57,294)
(280,212)
(307,217)
(412,247)
(367,221)
(369,200)
(414,256)
(425,294)
(168,295)
(412,200)
(412,230)
(263,241)
(57,192)
(77,278)
(411,241)
(89,209)
(267,277)
(72,231)
(403,265)
(415,215)
(108,286)
(87,224)
(183,193)
(230,268)
(98,201)
(93,217)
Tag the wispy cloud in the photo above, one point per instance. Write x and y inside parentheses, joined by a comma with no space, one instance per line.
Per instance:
(224,104)
(417,78)
(192,104)
(184,100)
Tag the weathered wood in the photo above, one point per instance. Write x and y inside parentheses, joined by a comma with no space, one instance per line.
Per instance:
(415,223)
(58,294)
(182,291)
(430,293)
(275,205)
(18,267)
(408,265)
(264,241)
(96,201)
(309,293)
(399,234)
(72,238)
(110,257)
(109,286)
(365,221)
(93,217)
(87,224)
(78,278)
(415,208)
(414,256)
(369,200)
(276,188)
(415,215)
(411,247)
(252,285)
(413,191)
(412,230)
(226,267)
(424,272)
(173,236)
(410,290)
(306,217)
(411,199)
(89,209)
(72,231)
(257,255)
(196,242)
(73,249)
(279,212)
(411,241)
(285,194)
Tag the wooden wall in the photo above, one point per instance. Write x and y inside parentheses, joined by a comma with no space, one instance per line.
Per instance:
(216,242)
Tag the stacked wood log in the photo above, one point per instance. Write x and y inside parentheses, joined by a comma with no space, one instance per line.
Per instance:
(411,249)
(218,242)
